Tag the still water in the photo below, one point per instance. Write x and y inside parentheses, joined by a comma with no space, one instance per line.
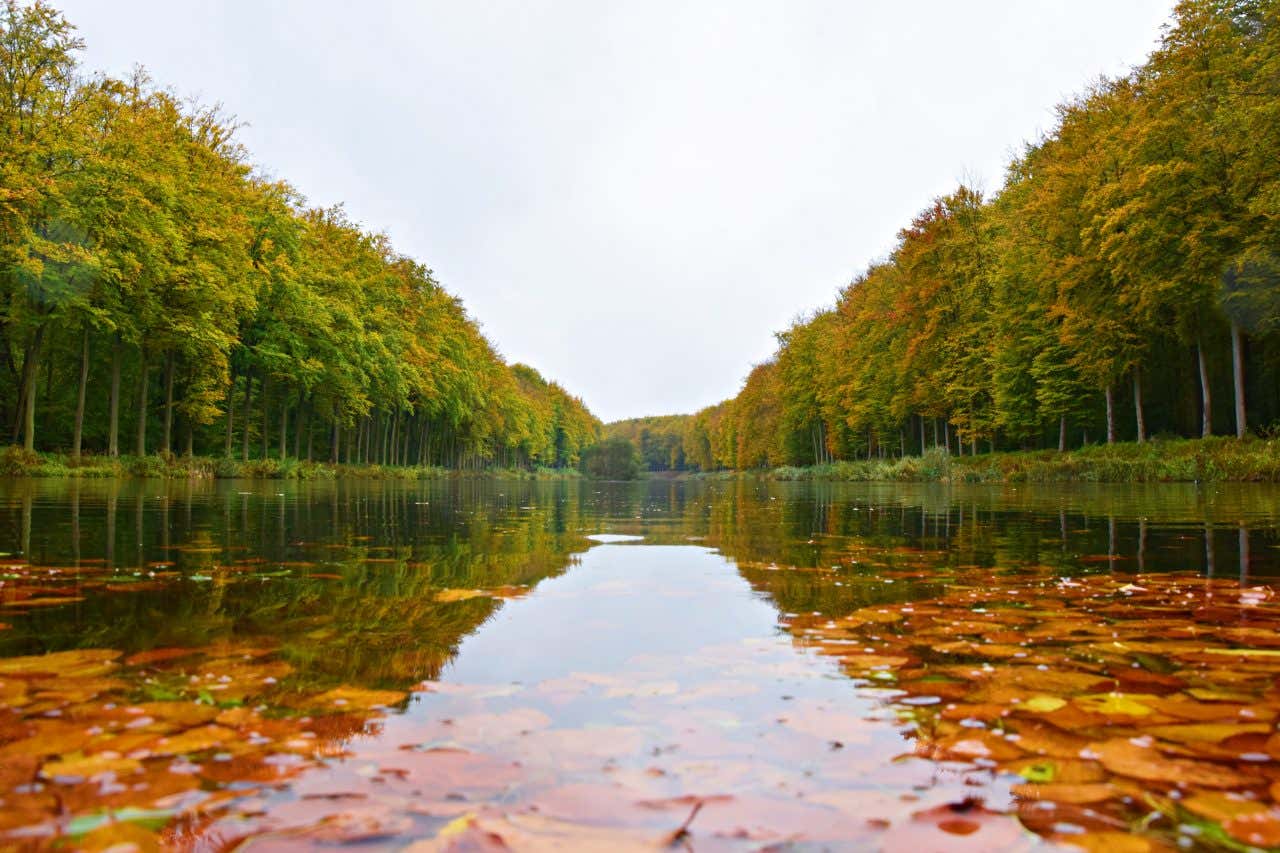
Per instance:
(472,664)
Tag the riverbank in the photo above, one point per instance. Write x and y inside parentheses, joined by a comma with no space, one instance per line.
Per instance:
(16,462)
(1168,461)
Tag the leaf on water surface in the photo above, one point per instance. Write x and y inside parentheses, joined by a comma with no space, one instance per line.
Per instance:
(1221,807)
(1042,704)
(179,713)
(1260,829)
(69,664)
(1125,758)
(533,832)
(47,737)
(963,825)
(193,740)
(1065,792)
(1057,770)
(349,698)
(158,656)
(1113,705)
(75,767)
(1107,842)
(121,837)
(447,595)
(1205,732)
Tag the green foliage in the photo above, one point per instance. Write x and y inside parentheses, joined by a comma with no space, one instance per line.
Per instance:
(152,282)
(612,459)
(1158,461)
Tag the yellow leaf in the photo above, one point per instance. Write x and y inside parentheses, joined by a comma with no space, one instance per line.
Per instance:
(1043,704)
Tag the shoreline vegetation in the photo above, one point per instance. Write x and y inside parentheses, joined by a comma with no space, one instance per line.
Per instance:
(19,463)
(1158,460)
(1161,460)
(1210,460)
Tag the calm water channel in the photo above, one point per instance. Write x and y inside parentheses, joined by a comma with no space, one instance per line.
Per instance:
(709,665)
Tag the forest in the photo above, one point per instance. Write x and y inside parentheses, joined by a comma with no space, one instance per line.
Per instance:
(162,295)
(1122,284)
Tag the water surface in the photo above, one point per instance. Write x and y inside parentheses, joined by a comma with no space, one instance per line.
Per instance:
(718,664)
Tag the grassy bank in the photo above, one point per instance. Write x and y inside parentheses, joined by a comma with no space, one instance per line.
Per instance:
(1168,461)
(16,462)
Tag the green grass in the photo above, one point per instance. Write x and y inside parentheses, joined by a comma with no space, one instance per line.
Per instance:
(1157,461)
(16,462)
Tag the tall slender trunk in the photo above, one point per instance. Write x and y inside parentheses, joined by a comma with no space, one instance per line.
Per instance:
(336,437)
(1237,375)
(1111,416)
(248,413)
(78,435)
(144,374)
(231,416)
(190,449)
(284,426)
(168,403)
(299,426)
(113,428)
(266,416)
(1137,405)
(922,442)
(1206,404)
(29,367)
(1062,434)
(392,451)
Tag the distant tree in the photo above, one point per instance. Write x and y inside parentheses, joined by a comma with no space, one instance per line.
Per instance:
(612,459)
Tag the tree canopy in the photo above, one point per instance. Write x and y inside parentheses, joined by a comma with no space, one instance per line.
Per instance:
(1124,282)
(153,281)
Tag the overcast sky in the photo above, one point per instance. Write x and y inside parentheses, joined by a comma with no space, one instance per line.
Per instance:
(631,196)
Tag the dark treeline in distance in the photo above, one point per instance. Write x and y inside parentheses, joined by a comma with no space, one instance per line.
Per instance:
(160,295)
(1124,283)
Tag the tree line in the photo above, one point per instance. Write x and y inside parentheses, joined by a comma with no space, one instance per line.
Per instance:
(1123,283)
(161,294)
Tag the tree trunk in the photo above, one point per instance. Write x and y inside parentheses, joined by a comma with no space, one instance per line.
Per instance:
(29,367)
(1111,416)
(1137,406)
(1237,375)
(393,455)
(78,434)
(248,413)
(140,445)
(231,416)
(113,428)
(922,447)
(1062,434)
(284,426)
(266,416)
(300,424)
(168,404)
(1206,404)
(190,449)
(336,438)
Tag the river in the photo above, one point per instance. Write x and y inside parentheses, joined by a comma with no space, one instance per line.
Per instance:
(714,664)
